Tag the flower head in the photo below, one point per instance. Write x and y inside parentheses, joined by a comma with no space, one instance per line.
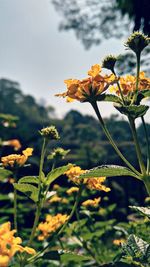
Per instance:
(51,224)
(50,133)
(58,153)
(91,202)
(128,84)
(137,42)
(89,88)
(72,190)
(10,245)
(96,183)
(118,242)
(73,173)
(17,159)
(109,62)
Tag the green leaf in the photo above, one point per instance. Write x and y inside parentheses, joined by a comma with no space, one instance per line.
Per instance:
(144,210)
(142,94)
(109,98)
(29,190)
(65,256)
(137,248)
(134,111)
(29,180)
(4,173)
(54,174)
(108,171)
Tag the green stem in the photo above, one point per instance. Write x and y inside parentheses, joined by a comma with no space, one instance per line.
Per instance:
(36,220)
(15,209)
(146,181)
(138,58)
(119,89)
(148,145)
(137,146)
(94,105)
(73,210)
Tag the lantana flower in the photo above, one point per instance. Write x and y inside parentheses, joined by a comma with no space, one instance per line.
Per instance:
(13,142)
(51,224)
(17,159)
(95,183)
(128,84)
(10,245)
(91,87)
(91,202)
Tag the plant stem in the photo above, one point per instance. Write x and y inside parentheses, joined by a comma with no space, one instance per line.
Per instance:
(15,209)
(148,145)
(73,210)
(119,89)
(146,180)
(36,220)
(138,58)
(137,146)
(94,105)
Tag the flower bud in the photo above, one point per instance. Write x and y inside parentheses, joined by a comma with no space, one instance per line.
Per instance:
(50,133)
(109,62)
(58,153)
(137,42)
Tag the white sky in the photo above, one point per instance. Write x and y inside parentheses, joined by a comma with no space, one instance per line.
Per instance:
(38,56)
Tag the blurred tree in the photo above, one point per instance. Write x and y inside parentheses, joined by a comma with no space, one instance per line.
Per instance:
(95,20)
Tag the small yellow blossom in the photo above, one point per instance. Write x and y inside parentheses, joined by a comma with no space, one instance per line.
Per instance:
(51,224)
(97,184)
(17,159)
(128,84)
(72,190)
(55,199)
(13,142)
(118,242)
(9,244)
(85,89)
(91,202)
(73,173)
(56,186)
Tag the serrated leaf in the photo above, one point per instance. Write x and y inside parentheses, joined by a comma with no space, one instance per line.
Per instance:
(54,174)
(29,180)
(70,256)
(109,98)
(4,173)
(134,111)
(144,210)
(108,171)
(29,190)
(136,248)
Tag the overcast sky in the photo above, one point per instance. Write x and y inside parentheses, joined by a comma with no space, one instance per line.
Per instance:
(38,56)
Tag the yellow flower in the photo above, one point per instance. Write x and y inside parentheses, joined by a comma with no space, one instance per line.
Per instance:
(128,84)
(9,244)
(14,143)
(72,190)
(91,202)
(91,87)
(16,159)
(55,199)
(96,183)
(73,173)
(118,242)
(56,187)
(51,224)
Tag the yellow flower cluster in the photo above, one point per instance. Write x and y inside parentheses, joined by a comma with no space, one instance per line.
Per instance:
(128,84)
(9,245)
(91,202)
(17,159)
(72,190)
(91,183)
(118,242)
(51,224)
(56,199)
(93,86)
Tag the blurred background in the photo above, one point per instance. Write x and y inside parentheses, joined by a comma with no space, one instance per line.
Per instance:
(44,42)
